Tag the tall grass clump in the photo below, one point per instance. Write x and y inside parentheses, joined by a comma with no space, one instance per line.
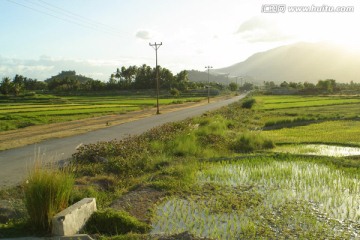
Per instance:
(248,103)
(185,145)
(249,142)
(47,192)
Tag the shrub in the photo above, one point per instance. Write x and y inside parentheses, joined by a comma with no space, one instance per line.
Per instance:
(175,92)
(47,192)
(248,103)
(112,222)
(250,142)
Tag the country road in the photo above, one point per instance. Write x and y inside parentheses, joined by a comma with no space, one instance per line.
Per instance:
(14,163)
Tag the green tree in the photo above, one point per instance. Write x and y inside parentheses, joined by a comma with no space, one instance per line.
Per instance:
(181,80)
(233,86)
(308,85)
(145,77)
(127,76)
(166,78)
(247,87)
(328,85)
(6,86)
(268,85)
(284,84)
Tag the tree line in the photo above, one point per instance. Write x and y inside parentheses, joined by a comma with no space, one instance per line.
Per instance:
(322,86)
(20,83)
(124,78)
(144,77)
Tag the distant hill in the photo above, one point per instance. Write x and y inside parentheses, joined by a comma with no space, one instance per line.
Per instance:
(299,62)
(70,75)
(198,76)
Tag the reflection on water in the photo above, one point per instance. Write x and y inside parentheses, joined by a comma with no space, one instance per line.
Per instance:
(320,149)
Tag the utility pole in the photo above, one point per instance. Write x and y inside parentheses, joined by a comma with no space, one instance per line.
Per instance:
(208,68)
(156,47)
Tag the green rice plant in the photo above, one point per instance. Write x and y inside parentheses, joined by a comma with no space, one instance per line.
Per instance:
(326,132)
(334,193)
(292,101)
(41,109)
(295,199)
(47,192)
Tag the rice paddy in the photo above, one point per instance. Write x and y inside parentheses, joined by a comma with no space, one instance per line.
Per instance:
(44,109)
(284,196)
(314,193)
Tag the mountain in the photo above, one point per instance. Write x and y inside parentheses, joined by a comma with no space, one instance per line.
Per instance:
(198,76)
(299,62)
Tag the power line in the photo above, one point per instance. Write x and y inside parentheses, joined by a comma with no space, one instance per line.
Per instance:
(75,15)
(72,21)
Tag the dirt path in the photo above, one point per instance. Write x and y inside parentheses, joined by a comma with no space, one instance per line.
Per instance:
(34,134)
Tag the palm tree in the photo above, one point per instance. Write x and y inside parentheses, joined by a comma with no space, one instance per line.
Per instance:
(6,86)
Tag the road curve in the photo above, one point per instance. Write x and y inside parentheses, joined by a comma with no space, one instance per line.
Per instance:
(14,163)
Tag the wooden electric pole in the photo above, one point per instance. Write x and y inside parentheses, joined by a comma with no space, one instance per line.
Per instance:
(208,68)
(156,47)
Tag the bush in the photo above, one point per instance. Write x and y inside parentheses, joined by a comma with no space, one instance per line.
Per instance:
(250,142)
(175,92)
(47,192)
(248,103)
(112,222)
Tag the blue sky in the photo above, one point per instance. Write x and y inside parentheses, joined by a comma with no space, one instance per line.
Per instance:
(39,38)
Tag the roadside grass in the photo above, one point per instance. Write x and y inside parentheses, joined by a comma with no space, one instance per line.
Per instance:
(46,192)
(39,109)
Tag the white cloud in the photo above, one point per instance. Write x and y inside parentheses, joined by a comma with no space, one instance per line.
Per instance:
(261,29)
(143,34)
(45,67)
(254,23)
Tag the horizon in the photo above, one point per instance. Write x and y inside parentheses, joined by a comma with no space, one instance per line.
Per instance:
(44,37)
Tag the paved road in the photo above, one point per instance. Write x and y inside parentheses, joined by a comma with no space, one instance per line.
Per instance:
(14,163)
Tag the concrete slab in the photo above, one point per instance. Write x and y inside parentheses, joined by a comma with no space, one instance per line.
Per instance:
(71,220)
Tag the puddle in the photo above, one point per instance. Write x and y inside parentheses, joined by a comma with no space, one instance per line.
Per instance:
(320,149)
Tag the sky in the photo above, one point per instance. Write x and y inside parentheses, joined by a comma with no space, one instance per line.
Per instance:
(40,38)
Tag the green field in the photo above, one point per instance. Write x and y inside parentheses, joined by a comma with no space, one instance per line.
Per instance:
(296,119)
(21,112)
(287,168)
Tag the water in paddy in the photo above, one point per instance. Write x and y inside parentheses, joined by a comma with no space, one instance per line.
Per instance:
(320,149)
(267,199)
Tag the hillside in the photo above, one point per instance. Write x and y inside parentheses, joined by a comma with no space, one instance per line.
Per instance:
(71,75)
(198,76)
(299,62)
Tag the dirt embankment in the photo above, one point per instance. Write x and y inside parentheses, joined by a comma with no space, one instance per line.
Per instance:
(35,134)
